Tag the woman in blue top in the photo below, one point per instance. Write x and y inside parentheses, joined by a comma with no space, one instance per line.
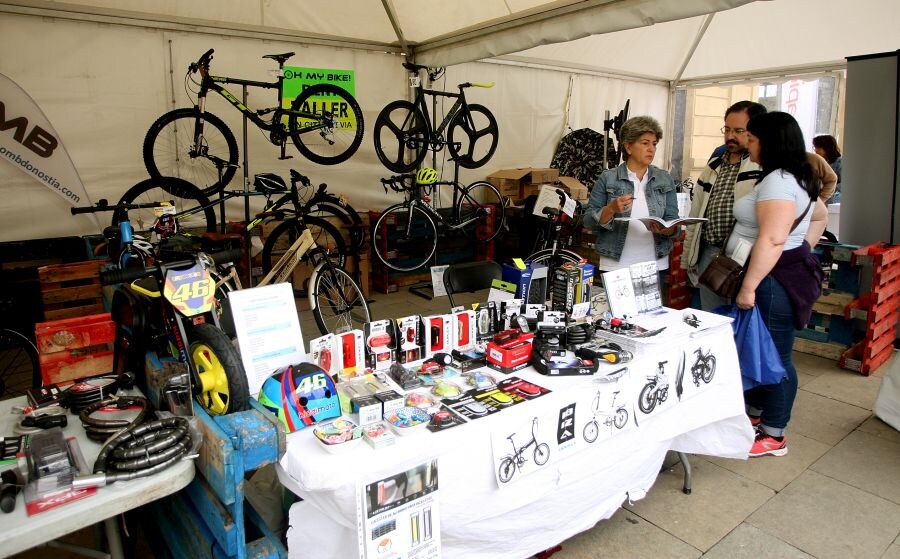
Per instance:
(782,277)
(633,189)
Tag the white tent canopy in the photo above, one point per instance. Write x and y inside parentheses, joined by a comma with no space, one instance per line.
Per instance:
(103,70)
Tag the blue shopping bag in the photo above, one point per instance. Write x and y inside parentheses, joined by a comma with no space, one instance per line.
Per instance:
(757,355)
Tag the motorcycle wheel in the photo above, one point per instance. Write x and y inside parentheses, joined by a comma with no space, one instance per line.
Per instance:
(220,381)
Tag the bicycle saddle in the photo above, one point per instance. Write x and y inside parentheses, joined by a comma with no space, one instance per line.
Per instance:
(269,183)
(414,67)
(280,58)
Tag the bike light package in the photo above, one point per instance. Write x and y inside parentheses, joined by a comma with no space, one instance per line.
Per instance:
(566,283)
(465,330)
(508,353)
(359,402)
(439,333)
(326,352)
(380,344)
(409,339)
(485,321)
(352,349)
(508,310)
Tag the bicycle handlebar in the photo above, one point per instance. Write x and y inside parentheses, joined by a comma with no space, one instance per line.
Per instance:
(202,62)
(104,206)
(398,182)
(110,277)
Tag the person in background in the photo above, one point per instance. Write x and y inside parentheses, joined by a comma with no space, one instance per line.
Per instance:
(725,179)
(782,278)
(826,147)
(633,189)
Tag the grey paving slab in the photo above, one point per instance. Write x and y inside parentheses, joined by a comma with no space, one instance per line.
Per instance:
(803,378)
(824,419)
(776,472)
(879,428)
(813,364)
(846,386)
(829,519)
(720,501)
(866,462)
(625,534)
(751,542)
(893,552)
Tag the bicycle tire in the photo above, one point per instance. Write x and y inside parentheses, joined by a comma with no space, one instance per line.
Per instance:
(19,365)
(506,470)
(709,369)
(399,253)
(173,157)
(545,256)
(326,235)
(647,399)
(620,418)
(478,195)
(405,136)
(329,205)
(470,149)
(334,143)
(214,359)
(590,431)
(541,454)
(337,302)
(193,208)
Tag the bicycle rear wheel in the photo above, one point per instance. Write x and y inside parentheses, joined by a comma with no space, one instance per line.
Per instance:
(401,136)
(326,236)
(329,208)
(472,137)
(562,256)
(337,302)
(193,209)
(404,237)
(19,366)
(482,203)
(170,149)
(337,131)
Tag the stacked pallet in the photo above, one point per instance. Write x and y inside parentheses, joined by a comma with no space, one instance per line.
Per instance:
(679,289)
(71,290)
(878,307)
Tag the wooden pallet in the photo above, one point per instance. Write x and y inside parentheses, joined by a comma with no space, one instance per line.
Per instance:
(71,290)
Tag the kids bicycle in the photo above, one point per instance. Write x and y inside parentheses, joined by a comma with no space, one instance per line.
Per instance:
(324,122)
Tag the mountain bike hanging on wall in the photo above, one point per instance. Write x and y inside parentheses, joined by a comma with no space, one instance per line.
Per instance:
(405,236)
(324,122)
(404,131)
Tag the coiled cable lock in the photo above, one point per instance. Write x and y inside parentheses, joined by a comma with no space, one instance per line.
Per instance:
(99,429)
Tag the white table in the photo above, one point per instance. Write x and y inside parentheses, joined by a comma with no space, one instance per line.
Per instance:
(582,484)
(19,532)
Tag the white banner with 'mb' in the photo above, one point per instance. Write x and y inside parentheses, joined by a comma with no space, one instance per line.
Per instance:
(29,143)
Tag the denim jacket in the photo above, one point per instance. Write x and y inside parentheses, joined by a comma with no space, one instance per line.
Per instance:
(661,201)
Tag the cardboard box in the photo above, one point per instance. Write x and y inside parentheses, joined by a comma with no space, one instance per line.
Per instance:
(575,188)
(510,182)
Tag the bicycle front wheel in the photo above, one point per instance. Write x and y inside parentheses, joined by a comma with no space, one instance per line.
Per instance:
(562,256)
(401,136)
(221,383)
(334,134)
(404,237)
(19,367)
(481,206)
(337,302)
(186,143)
(193,210)
(331,207)
(473,136)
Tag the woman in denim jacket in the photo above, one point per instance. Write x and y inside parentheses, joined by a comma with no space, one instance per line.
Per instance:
(633,189)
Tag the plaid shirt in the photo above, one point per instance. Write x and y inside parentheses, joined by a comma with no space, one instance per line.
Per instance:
(719,209)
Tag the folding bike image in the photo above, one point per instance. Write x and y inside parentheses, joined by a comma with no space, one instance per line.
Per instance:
(656,389)
(517,459)
(617,418)
(704,367)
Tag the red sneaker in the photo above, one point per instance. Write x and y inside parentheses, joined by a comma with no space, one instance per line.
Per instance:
(754,419)
(767,444)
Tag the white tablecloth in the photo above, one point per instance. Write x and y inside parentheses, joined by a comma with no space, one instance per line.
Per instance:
(582,484)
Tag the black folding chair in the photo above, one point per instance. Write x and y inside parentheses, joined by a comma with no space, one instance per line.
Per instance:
(470,277)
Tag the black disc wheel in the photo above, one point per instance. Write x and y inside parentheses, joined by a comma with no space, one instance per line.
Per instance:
(404,238)
(330,126)
(481,206)
(401,136)
(473,136)
(220,381)
(180,144)
(193,210)
(19,366)
(337,302)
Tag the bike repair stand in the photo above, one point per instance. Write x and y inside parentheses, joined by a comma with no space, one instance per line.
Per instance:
(425,289)
(247,243)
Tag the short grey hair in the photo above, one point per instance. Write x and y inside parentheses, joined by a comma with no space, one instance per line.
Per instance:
(637,126)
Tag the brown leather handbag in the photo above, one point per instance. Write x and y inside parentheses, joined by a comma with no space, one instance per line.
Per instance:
(724,276)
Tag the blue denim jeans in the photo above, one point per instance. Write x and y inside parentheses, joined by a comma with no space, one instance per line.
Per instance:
(776,400)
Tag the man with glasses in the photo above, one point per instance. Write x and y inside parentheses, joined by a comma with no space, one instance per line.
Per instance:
(726,178)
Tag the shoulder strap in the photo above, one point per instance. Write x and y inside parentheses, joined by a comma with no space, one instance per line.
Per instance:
(796,223)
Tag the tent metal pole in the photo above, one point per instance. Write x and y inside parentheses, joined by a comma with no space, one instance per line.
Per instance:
(690,54)
(395,23)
